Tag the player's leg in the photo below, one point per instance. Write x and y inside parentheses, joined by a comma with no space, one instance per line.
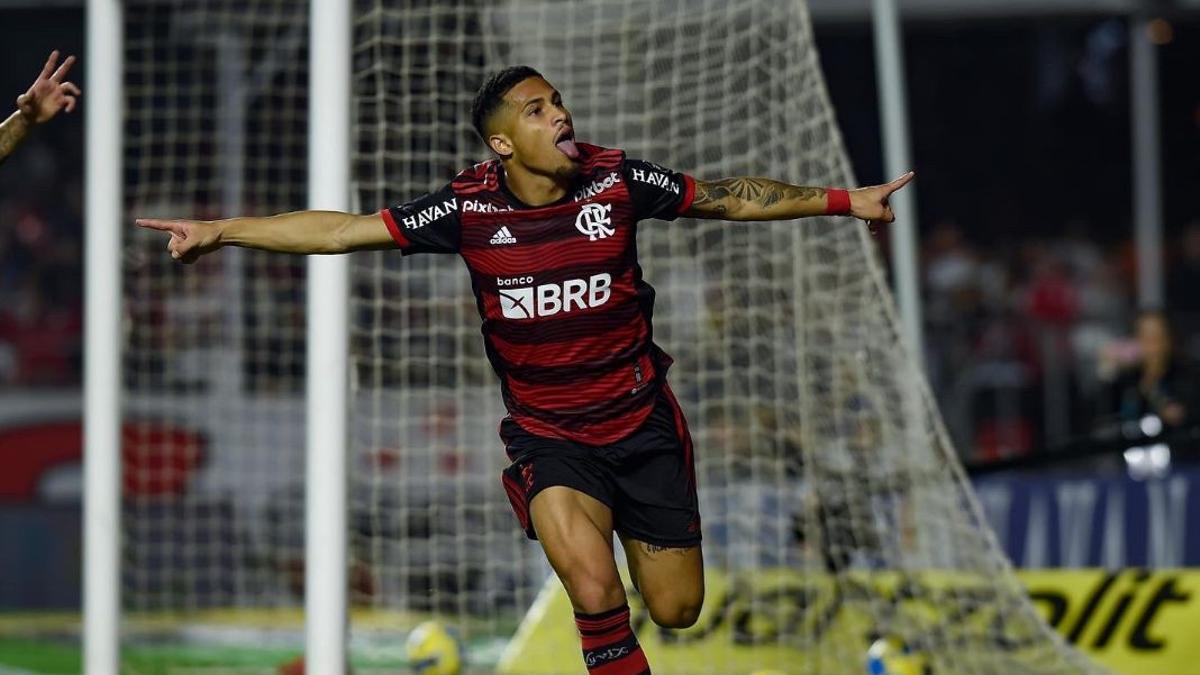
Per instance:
(656,511)
(670,579)
(576,533)
(557,497)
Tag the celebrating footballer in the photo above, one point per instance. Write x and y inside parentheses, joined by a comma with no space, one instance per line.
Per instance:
(597,441)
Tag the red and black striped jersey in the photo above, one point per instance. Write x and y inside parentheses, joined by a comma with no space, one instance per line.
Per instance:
(566,313)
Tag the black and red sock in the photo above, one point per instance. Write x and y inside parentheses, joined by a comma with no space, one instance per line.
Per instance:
(609,645)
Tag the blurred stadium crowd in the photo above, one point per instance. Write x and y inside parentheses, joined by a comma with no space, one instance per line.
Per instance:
(1038,341)
(1027,343)
(41,270)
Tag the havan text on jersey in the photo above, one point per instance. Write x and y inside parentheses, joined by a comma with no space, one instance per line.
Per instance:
(655,178)
(430,214)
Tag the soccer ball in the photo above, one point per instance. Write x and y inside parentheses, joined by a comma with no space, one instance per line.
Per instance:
(890,656)
(434,649)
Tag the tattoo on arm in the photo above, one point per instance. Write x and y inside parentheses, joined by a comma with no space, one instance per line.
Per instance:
(709,197)
(722,197)
(12,132)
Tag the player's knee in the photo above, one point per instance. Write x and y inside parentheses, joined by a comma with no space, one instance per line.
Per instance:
(678,613)
(593,593)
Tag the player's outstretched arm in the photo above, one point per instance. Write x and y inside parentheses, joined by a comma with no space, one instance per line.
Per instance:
(39,104)
(766,199)
(297,232)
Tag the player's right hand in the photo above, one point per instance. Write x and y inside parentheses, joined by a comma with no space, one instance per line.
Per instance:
(190,239)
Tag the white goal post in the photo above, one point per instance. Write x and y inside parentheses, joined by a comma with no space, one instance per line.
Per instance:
(102,359)
(327,389)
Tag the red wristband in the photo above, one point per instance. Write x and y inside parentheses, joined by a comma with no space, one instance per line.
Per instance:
(837,202)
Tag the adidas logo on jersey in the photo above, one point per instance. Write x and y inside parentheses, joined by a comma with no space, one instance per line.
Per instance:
(502,236)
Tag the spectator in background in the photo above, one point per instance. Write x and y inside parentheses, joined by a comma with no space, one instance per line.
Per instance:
(1184,278)
(951,275)
(952,299)
(1052,298)
(1159,381)
(1104,310)
(1078,250)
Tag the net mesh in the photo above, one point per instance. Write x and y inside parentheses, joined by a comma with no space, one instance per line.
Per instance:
(818,447)
(819,450)
(216,102)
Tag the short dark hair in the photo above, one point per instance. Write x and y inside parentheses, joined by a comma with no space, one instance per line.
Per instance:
(491,94)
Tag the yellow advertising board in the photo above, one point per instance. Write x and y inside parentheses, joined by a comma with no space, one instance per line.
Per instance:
(1132,621)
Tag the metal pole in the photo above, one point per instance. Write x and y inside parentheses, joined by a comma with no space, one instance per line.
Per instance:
(889,75)
(233,93)
(102,342)
(1147,178)
(328,343)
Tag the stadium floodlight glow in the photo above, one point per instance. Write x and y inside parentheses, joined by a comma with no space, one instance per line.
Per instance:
(1150,425)
(1145,462)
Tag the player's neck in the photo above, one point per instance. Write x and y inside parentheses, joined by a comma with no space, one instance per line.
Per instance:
(531,188)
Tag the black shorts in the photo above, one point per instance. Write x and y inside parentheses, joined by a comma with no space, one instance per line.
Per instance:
(648,479)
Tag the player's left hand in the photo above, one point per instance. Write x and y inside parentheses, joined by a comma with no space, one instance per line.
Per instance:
(871,203)
(49,94)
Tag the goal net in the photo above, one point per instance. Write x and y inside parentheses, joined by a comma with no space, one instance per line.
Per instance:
(836,514)
(216,101)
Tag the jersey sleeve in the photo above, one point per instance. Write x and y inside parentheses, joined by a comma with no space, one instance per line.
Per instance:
(657,192)
(427,224)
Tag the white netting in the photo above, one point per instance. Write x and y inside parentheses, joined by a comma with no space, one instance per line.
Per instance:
(216,110)
(818,448)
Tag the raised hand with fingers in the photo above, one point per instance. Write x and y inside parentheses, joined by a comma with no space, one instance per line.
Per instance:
(871,203)
(190,239)
(49,93)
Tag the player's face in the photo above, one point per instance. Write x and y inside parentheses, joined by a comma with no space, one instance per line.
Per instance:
(539,131)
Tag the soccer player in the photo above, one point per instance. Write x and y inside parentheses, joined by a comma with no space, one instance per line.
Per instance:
(597,442)
(39,104)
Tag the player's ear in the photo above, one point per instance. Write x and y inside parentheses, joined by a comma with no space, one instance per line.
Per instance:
(501,144)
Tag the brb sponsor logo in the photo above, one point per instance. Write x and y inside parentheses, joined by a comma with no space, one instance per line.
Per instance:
(595,220)
(528,302)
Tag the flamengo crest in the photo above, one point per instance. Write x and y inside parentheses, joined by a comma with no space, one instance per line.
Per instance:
(594,221)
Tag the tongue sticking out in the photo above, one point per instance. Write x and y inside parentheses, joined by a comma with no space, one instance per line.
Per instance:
(568,148)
